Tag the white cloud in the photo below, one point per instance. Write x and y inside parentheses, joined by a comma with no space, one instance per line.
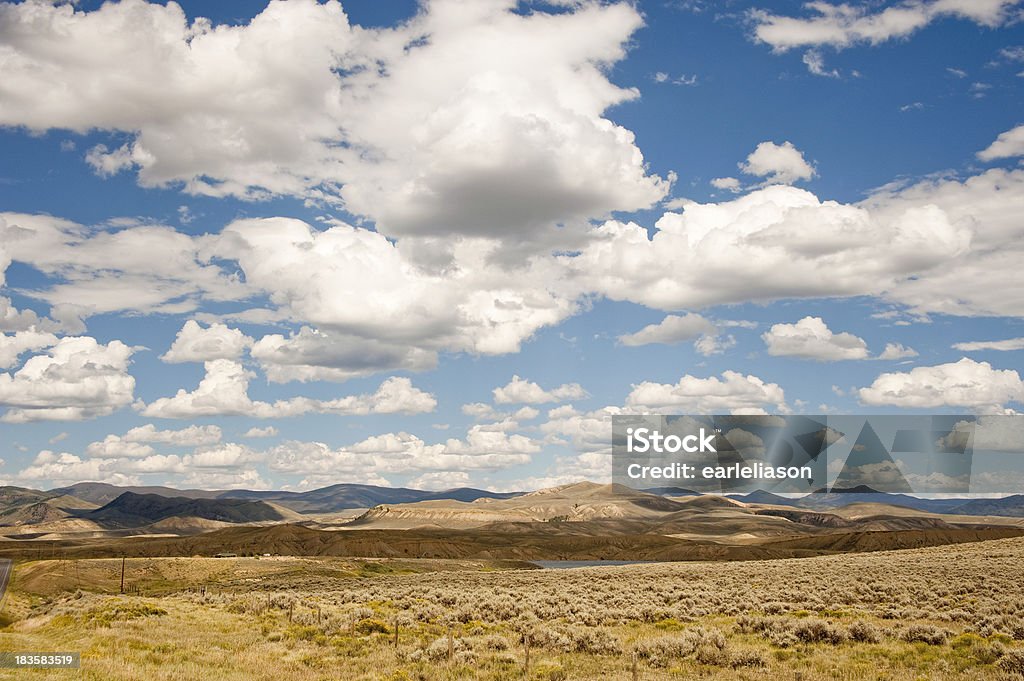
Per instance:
(810,338)
(114,447)
(14,345)
(465,118)
(675,329)
(729,184)
(138,268)
(196,344)
(1009,144)
(312,355)
(469,301)
(64,469)
(970,384)
(521,391)
(483,448)
(847,24)
(734,393)
(224,391)
(13,319)
(897,351)
(1000,345)
(714,345)
(248,478)
(482,412)
(587,432)
(525,414)
(782,242)
(778,163)
(815,63)
(225,455)
(254,432)
(441,480)
(132,444)
(948,245)
(78,378)
(672,329)
(192,436)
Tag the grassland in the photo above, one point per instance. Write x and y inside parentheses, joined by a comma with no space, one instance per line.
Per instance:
(951,612)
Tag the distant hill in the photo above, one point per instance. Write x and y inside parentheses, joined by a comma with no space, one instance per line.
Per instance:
(20,506)
(343,497)
(823,500)
(340,497)
(101,493)
(1007,506)
(137,510)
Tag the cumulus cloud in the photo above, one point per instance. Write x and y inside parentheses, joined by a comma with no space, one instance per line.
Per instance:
(729,184)
(781,242)
(894,351)
(136,268)
(843,25)
(1000,345)
(77,379)
(463,118)
(114,447)
(676,329)
(970,384)
(521,391)
(672,329)
(185,437)
(13,319)
(196,344)
(224,391)
(810,338)
(1009,144)
(255,432)
(994,433)
(441,480)
(214,478)
(734,393)
(948,245)
(312,355)
(132,445)
(778,163)
(65,469)
(224,455)
(484,448)
(13,345)
(408,310)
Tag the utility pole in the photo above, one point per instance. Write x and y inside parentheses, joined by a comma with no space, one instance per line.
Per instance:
(122,573)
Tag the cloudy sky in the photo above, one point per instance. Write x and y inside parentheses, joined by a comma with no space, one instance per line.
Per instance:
(440,243)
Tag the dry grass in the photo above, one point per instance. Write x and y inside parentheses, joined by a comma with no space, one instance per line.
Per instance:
(952,612)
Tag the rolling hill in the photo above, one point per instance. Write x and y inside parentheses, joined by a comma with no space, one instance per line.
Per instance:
(138,510)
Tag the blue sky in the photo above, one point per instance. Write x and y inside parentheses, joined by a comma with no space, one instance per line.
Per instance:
(361,220)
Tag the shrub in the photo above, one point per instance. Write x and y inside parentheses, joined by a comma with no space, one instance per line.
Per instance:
(925,633)
(864,632)
(814,630)
(710,654)
(1012,662)
(747,657)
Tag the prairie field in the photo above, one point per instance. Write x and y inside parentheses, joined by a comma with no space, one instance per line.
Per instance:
(949,612)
